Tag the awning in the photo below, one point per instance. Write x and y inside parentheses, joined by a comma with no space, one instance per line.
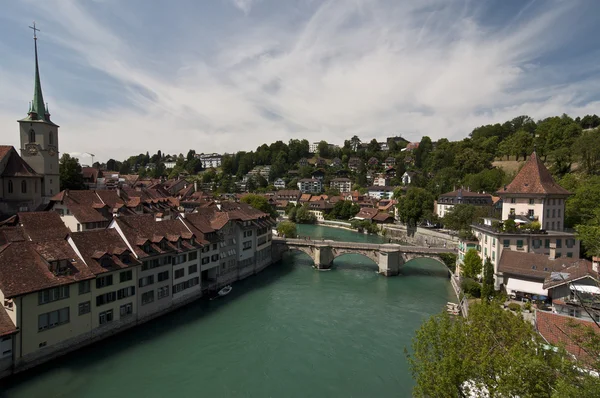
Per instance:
(518,285)
(585,288)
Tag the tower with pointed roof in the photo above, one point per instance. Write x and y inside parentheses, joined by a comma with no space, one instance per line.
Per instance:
(534,195)
(39,137)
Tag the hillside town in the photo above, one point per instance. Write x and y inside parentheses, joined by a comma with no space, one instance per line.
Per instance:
(88,251)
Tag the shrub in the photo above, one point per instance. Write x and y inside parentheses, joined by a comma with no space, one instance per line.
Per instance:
(471,288)
(450,260)
(287,229)
(514,307)
(528,306)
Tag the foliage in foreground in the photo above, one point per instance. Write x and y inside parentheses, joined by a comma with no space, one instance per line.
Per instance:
(287,229)
(365,225)
(493,351)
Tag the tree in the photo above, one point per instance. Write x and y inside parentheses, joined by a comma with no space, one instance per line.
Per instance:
(487,290)
(261,203)
(422,152)
(414,205)
(589,234)
(587,147)
(355,143)
(71,176)
(287,229)
(486,354)
(471,267)
(304,216)
(323,149)
(461,216)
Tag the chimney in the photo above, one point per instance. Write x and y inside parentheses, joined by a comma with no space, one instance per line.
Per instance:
(195,186)
(596,263)
(552,255)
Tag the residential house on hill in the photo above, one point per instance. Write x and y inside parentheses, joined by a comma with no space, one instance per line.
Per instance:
(303,162)
(279,183)
(380,192)
(336,162)
(342,185)
(373,162)
(20,185)
(291,195)
(407,177)
(534,194)
(390,161)
(310,185)
(354,163)
(447,201)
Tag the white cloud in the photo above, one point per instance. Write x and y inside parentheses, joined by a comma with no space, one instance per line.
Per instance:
(244,5)
(371,68)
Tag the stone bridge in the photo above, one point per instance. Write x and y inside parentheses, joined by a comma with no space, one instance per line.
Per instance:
(389,257)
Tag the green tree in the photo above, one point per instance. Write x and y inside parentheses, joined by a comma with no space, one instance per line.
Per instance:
(287,229)
(492,350)
(304,216)
(323,149)
(71,176)
(487,290)
(413,206)
(471,267)
(589,234)
(587,147)
(461,216)
(261,203)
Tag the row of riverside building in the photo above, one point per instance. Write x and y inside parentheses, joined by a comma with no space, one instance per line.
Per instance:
(62,289)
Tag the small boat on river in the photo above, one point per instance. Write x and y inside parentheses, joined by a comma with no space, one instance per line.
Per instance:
(225,291)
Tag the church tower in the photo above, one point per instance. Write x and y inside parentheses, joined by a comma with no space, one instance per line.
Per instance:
(39,137)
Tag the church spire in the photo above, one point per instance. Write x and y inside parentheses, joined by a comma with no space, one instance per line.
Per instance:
(37,106)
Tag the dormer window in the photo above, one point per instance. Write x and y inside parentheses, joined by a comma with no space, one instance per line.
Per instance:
(105,262)
(125,259)
(146,247)
(163,244)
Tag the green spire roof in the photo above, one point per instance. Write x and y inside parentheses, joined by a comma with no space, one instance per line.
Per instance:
(38,110)
(38,98)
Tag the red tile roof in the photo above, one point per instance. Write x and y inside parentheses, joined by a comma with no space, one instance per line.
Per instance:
(94,245)
(85,205)
(15,165)
(24,267)
(536,266)
(43,225)
(577,270)
(6,324)
(566,331)
(367,213)
(534,178)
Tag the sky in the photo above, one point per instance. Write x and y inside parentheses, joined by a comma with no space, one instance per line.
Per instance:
(126,77)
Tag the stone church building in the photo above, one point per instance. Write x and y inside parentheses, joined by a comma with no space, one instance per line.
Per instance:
(30,178)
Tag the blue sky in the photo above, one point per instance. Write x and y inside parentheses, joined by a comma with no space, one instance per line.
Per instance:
(125,77)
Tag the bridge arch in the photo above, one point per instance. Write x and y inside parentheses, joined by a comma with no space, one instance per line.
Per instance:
(372,263)
(370,254)
(433,266)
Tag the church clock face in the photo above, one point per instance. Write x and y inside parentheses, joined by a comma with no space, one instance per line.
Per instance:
(51,151)
(31,149)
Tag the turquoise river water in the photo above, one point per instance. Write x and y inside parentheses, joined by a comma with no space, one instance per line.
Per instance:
(291,331)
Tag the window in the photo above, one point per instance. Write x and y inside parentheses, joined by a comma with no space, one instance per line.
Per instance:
(513,200)
(570,243)
(147,280)
(50,138)
(126,310)
(23,186)
(558,225)
(546,243)
(54,294)
(163,292)
(84,308)
(31,135)
(105,317)
(180,273)
(163,276)
(205,260)
(558,255)
(531,201)
(105,298)
(182,258)
(530,213)
(84,287)
(147,297)
(192,256)
(506,243)
(485,251)
(214,246)
(104,281)
(53,319)
(10,186)
(493,256)
(553,213)
(192,268)
(512,211)
(537,243)
(519,244)
(493,242)
(247,245)
(569,254)
(125,292)
(486,239)
(126,276)
(247,233)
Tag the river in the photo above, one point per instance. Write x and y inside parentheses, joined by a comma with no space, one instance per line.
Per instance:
(291,331)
